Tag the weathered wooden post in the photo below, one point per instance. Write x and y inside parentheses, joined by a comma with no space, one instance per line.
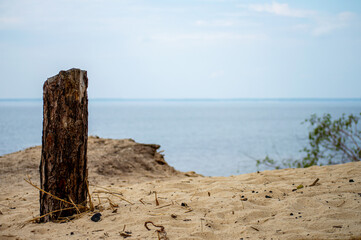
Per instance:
(63,166)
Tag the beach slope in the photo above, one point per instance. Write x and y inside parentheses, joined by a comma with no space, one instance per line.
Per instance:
(131,184)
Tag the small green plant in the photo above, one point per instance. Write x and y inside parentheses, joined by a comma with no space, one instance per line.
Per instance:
(330,142)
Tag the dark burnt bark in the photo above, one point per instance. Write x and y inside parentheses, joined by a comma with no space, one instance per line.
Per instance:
(63,166)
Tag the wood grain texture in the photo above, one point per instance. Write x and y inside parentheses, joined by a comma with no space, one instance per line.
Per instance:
(63,166)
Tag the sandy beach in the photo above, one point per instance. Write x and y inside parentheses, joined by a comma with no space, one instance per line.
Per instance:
(132,184)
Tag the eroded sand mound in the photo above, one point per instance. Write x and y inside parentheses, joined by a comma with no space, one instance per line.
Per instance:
(124,177)
(125,159)
(108,160)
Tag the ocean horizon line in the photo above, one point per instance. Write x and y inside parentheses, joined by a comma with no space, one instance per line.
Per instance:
(191,99)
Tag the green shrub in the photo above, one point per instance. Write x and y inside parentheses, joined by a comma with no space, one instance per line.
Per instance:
(330,142)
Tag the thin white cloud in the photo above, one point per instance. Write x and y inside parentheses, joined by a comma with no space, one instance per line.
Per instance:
(206,37)
(330,24)
(317,23)
(280,9)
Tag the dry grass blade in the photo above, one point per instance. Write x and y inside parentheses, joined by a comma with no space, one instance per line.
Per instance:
(112,205)
(75,206)
(77,209)
(125,234)
(163,206)
(91,206)
(57,198)
(109,190)
(116,195)
(59,210)
(70,218)
(343,202)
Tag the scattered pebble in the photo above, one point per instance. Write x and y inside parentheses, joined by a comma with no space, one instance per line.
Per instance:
(291,214)
(268,196)
(96,217)
(351,180)
(184,204)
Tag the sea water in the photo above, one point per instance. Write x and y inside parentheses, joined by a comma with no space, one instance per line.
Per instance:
(211,137)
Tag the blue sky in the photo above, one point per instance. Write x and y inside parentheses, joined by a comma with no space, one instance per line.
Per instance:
(184,49)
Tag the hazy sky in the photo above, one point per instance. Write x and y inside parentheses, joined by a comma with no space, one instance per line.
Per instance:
(184,49)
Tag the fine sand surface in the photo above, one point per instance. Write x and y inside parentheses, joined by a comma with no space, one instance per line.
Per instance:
(132,184)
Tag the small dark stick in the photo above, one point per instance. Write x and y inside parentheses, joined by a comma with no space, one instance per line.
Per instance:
(156,199)
(255,229)
(160,232)
(150,222)
(314,183)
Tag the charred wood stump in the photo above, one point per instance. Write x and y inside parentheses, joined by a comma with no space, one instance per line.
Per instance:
(63,166)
